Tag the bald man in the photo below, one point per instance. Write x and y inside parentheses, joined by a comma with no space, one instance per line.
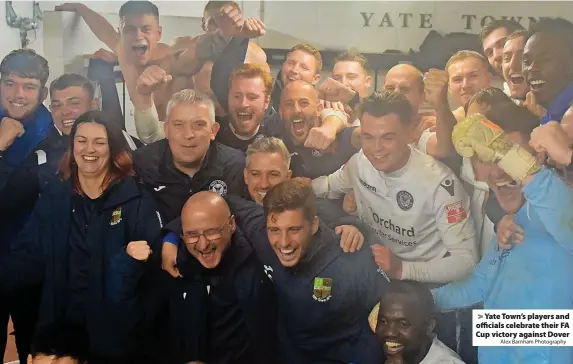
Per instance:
(300,110)
(409,81)
(222,309)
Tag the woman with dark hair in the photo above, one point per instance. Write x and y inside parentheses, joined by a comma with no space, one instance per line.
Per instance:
(90,241)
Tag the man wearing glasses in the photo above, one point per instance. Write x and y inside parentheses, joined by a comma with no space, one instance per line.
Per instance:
(223,308)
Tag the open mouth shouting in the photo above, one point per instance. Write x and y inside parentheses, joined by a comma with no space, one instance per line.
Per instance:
(208,255)
(287,256)
(140,49)
(516,79)
(298,127)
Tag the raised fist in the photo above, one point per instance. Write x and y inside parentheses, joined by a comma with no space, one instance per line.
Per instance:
(69,7)
(253,28)
(139,250)
(552,139)
(436,87)
(334,91)
(105,55)
(10,129)
(151,79)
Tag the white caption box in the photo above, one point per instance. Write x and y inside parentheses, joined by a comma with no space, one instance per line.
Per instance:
(522,327)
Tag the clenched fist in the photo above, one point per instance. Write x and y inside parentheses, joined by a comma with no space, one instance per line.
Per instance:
(349,204)
(387,261)
(552,139)
(531,104)
(10,129)
(151,79)
(436,87)
(139,250)
(334,91)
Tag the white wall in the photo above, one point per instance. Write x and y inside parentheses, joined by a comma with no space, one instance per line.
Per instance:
(374,26)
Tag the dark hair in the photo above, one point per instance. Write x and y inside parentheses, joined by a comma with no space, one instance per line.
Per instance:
(25,63)
(136,7)
(383,103)
(557,27)
(502,111)
(120,164)
(510,25)
(215,5)
(70,80)
(354,57)
(421,293)
(291,195)
(62,341)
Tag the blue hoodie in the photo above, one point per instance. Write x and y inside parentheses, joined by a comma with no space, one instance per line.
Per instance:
(535,274)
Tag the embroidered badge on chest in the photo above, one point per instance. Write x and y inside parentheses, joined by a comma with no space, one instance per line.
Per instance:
(219,187)
(115,216)
(322,289)
(405,200)
(316,153)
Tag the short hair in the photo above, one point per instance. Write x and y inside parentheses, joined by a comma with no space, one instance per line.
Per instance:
(421,294)
(463,55)
(291,195)
(383,103)
(70,80)
(269,145)
(510,25)
(136,7)
(557,27)
(120,161)
(505,113)
(215,5)
(517,34)
(307,48)
(25,63)
(251,70)
(354,57)
(61,341)
(190,97)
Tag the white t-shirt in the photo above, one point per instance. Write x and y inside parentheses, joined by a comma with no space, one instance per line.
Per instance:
(422,143)
(421,212)
(441,354)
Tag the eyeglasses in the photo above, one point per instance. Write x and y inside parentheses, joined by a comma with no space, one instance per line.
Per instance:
(192,237)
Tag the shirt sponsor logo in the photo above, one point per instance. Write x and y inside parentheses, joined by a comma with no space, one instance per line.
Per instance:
(405,200)
(219,187)
(387,224)
(448,185)
(322,291)
(115,217)
(371,188)
(456,212)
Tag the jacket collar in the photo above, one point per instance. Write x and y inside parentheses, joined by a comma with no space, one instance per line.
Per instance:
(323,248)
(168,171)
(559,105)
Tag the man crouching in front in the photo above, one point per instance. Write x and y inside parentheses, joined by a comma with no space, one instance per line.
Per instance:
(222,308)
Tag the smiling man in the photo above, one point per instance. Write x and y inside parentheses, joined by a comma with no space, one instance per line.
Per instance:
(512,67)
(547,67)
(493,37)
(324,296)
(229,315)
(405,327)
(24,124)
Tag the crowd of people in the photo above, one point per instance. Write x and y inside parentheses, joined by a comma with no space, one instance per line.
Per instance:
(291,221)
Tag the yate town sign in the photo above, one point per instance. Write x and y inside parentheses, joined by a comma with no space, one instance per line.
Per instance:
(468,22)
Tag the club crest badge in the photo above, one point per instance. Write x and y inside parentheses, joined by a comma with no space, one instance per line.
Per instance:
(316,153)
(405,200)
(219,187)
(322,289)
(115,217)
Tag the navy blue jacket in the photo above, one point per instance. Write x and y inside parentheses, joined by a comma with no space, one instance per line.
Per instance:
(189,303)
(221,172)
(117,283)
(20,186)
(319,326)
